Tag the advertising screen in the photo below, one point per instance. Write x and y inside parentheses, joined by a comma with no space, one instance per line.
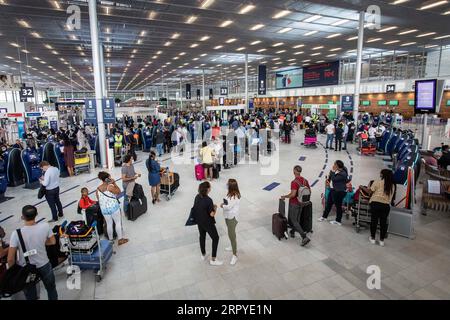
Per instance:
(323,74)
(425,100)
(287,79)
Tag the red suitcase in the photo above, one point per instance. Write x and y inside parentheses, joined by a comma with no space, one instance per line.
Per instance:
(199,172)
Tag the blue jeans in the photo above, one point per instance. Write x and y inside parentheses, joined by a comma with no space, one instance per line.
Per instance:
(330,138)
(159,148)
(48,279)
(126,202)
(345,142)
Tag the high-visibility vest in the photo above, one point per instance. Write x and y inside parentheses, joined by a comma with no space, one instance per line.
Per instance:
(118,141)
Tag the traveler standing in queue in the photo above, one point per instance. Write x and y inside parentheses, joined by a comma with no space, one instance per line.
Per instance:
(128,175)
(345,137)
(50,180)
(35,237)
(118,143)
(231,213)
(131,144)
(109,205)
(337,180)
(69,158)
(203,212)
(381,194)
(207,155)
(159,141)
(330,131)
(154,177)
(287,126)
(294,211)
(339,137)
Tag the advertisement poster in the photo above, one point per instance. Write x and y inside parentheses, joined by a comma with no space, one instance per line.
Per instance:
(347,103)
(288,79)
(262,80)
(91,111)
(425,99)
(109,115)
(324,74)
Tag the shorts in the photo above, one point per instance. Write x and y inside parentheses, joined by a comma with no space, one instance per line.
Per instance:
(207,165)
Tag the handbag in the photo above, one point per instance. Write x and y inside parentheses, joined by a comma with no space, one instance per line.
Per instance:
(18,278)
(41,192)
(191,220)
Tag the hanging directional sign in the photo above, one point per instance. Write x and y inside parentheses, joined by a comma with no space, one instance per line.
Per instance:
(211,94)
(26,92)
(108,106)
(262,79)
(390,88)
(188,91)
(198,94)
(224,91)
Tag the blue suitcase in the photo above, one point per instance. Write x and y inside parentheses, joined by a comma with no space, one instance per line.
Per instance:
(92,261)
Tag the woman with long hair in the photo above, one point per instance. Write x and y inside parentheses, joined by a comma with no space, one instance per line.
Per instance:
(69,157)
(154,178)
(381,195)
(203,212)
(231,212)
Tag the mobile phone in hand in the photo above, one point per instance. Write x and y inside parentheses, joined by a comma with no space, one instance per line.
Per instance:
(225,201)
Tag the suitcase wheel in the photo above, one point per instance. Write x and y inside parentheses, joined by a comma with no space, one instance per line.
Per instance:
(98,278)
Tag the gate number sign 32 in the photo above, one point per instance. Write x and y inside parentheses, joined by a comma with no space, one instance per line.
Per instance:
(27,92)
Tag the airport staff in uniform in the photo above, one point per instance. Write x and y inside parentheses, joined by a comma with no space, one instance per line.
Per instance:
(50,181)
(118,143)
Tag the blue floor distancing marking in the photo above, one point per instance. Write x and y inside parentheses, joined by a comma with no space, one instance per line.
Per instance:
(321,174)
(314,183)
(9,217)
(302,159)
(271,186)
(40,220)
(69,204)
(70,189)
(324,167)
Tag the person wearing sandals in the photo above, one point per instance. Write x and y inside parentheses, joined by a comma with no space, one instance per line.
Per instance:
(107,198)
(154,177)
(231,213)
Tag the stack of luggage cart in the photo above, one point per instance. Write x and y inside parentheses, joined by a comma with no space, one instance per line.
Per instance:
(361,210)
(82,161)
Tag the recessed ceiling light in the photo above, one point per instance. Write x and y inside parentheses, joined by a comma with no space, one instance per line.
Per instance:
(194,45)
(433,5)
(298,52)
(152,15)
(231,40)
(277,44)
(298,46)
(316,54)
(331,55)
(313,18)
(310,33)
(281,14)
(262,50)
(159,52)
(446,12)
(143,33)
(255,42)
(431,46)
(206,3)
(257,27)
(203,55)
(204,38)
(36,35)
(240,49)
(226,23)
(276,59)
(425,34)
(339,22)
(167,44)
(352,38)
(14,44)
(393,41)
(218,47)
(408,44)
(374,40)
(407,32)
(399,1)
(281,51)
(317,48)
(191,19)
(195,59)
(284,30)
(335,49)
(442,37)
(247,9)
(334,35)
(387,29)
(23,23)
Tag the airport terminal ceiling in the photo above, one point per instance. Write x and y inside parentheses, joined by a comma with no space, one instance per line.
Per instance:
(183,37)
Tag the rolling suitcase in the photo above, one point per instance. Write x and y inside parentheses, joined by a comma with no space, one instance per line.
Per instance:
(136,208)
(279,222)
(92,261)
(215,172)
(306,217)
(199,172)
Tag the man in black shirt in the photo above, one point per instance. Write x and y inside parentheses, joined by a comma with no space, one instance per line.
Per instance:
(444,160)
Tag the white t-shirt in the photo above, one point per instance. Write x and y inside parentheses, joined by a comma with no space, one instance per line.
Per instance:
(307,119)
(345,130)
(330,128)
(34,237)
(231,210)
(372,132)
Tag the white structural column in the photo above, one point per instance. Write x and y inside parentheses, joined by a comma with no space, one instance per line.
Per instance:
(181,93)
(362,18)
(102,70)
(246,83)
(204,93)
(97,78)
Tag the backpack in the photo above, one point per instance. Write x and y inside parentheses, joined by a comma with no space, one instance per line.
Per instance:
(303,193)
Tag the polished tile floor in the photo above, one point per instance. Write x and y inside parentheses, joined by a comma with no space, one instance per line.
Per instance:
(162,259)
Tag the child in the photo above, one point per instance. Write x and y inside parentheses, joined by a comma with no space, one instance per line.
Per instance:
(91,209)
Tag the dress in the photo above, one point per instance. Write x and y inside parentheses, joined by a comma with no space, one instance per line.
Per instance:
(68,156)
(154,178)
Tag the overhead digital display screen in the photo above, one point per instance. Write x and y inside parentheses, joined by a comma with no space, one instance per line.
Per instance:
(288,79)
(323,74)
(425,99)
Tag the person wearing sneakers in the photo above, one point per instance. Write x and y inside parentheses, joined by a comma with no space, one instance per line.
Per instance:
(381,195)
(107,198)
(231,212)
(203,212)
(295,210)
(337,180)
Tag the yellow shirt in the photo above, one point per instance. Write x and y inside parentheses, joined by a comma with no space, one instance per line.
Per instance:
(378,193)
(207,155)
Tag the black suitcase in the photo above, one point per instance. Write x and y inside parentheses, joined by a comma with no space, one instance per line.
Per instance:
(280,222)
(136,208)
(118,162)
(215,172)
(306,217)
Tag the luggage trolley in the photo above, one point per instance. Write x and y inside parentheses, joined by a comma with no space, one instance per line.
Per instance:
(86,256)
(361,210)
(82,161)
(170,181)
